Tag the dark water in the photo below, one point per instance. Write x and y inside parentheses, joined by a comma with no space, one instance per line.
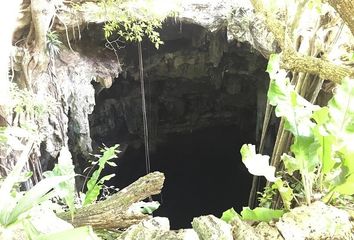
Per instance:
(203,169)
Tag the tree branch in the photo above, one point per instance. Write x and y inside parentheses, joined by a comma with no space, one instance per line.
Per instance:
(345,9)
(292,60)
(113,213)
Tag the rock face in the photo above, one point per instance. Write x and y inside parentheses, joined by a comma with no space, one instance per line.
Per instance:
(317,221)
(67,121)
(212,228)
(207,71)
(197,79)
(243,25)
(157,228)
(208,74)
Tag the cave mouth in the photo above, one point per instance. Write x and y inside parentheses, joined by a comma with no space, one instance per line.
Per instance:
(205,96)
(203,169)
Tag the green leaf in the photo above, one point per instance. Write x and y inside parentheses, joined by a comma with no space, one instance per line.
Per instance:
(108,154)
(344,184)
(347,187)
(296,110)
(229,215)
(341,111)
(106,178)
(348,159)
(291,164)
(257,164)
(286,193)
(321,116)
(12,178)
(276,93)
(30,230)
(112,164)
(305,150)
(273,64)
(34,196)
(325,154)
(94,185)
(65,167)
(261,214)
(149,207)
(92,194)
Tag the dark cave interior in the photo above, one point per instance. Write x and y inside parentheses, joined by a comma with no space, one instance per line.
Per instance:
(203,170)
(204,96)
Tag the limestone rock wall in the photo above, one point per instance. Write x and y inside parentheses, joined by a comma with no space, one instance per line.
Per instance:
(201,74)
(197,79)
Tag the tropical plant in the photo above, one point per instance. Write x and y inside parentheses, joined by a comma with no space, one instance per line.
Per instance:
(133,20)
(260,214)
(66,189)
(53,43)
(95,184)
(323,137)
(15,206)
(322,151)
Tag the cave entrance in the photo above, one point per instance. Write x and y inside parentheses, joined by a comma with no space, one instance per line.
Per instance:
(204,96)
(203,169)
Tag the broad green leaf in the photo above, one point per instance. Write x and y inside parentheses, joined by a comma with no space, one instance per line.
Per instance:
(292,107)
(261,214)
(291,164)
(276,93)
(108,154)
(34,196)
(341,111)
(12,178)
(30,230)
(321,116)
(325,153)
(257,164)
(273,64)
(305,151)
(347,187)
(229,215)
(66,189)
(325,139)
(286,193)
(348,159)
(344,183)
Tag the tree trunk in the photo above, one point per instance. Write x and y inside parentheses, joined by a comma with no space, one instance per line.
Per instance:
(113,213)
(345,9)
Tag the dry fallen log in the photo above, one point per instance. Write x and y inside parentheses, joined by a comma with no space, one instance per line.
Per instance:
(113,213)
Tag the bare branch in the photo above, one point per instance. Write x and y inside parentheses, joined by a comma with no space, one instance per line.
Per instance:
(113,212)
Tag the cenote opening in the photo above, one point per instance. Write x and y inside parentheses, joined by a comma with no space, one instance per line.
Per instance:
(204,96)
